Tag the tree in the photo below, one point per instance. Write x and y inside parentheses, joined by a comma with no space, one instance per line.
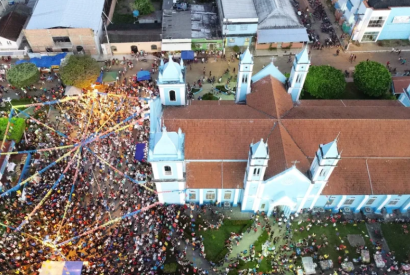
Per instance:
(80,71)
(23,75)
(325,82)
(143,6)
(372,78)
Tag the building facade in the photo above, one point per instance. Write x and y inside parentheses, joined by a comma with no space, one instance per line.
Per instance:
(238,22)
(373,20)
(275,152)
(68,26)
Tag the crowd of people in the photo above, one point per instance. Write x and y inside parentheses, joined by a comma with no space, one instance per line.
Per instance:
(92,185)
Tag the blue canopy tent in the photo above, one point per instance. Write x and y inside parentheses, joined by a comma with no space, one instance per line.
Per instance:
(45,61)
(187,55)
(143,75)
(139,152)
(100,78)
(61,268)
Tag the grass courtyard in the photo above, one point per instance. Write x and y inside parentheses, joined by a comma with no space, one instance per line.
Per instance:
(336,236)
(397,240)
(214,240)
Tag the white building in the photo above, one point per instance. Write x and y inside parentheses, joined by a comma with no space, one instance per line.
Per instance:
(373,20)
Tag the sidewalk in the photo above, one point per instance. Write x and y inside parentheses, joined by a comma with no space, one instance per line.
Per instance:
(373,47)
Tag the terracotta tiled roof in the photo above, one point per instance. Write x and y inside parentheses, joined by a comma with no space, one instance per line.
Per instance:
(293,152)
(352,113)
(219,138)
(389,176)
(350,177)
(269,96)
(400,83)
(204,175)
(212,102)
(348,103)
(11,25)
(357,138)
(225,175)
(277,160)
(204,112)
(233,174)
(376,130)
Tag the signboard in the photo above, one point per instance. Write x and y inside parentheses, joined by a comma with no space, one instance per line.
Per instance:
(401,19)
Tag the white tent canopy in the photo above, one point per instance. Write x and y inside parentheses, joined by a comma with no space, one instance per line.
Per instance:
(308,265)
(71,90)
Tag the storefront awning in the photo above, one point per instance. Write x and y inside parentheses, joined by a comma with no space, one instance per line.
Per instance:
(187,55)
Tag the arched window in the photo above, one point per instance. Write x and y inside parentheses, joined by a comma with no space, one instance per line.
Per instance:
(167,170)
(172,96)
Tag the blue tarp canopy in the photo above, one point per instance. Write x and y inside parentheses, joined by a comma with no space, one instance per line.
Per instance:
(136,13)
(143,75)
(187,55)
(100,78)
(45,61)
(139,152)
(61,268)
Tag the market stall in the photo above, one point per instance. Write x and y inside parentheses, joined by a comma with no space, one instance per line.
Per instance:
(46,62)
(187,55)
(378,259)
(143,75)
(308,265)
(326,264)
(365,256)
(71,90)
(347,266)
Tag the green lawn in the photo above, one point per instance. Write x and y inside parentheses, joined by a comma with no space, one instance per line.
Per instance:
(265,264)
(397,240)
(214,240)
(16,102)
(336,236)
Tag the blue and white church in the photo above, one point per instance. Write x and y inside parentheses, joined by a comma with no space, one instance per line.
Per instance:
(269,149)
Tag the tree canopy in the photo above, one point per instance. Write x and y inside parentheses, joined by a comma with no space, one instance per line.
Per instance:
(325,82)
(372,78)
(143,6)
(80,71)
(23,75)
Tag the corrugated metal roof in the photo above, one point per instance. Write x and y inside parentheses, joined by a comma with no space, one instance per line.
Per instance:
(69,14)
(236,9)
(282,35)
(276,14)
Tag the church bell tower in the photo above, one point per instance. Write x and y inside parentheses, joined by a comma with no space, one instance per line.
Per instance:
(244,76)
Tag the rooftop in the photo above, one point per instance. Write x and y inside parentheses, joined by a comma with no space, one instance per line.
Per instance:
(400,83)
(276,14)
(67,14)
(384,4)
(238,9)
(176,24)
(373,137)
(11,25)
(204,22)
(119,33)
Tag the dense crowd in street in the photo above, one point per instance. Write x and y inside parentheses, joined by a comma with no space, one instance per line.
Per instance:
(97,183)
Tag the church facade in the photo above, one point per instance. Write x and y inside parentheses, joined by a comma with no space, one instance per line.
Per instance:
(269,149)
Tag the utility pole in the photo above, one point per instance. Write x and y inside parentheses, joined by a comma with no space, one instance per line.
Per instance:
(106,32)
